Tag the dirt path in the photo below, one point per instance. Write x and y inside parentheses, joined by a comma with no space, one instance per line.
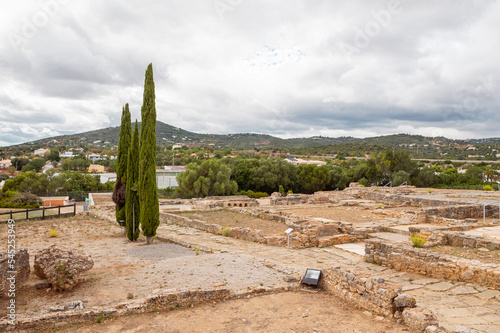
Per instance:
(287,312)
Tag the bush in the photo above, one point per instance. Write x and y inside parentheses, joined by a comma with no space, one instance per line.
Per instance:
(53,233)
(256,195)
(487,188)
(12,199)
(418,240)
(225,232)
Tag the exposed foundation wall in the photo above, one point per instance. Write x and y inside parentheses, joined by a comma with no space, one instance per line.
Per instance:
(376,295)
(371,293)
(445,237)
(302,237)
(409,259)
(161,300)
(21,267)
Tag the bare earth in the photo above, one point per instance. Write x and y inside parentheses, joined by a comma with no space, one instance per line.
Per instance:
(353,214)
(122,267)
(233,220)
(287,312)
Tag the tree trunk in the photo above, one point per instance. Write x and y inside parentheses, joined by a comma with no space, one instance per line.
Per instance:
(149,240)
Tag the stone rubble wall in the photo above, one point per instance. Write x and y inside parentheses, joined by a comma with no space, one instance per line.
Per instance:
(291,199)
(221,202)
(303,236)
(444,237)
(406,258)
(159,300)
(376,295)
(371,293)
(21,267)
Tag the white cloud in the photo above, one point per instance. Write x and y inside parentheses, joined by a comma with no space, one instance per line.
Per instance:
(265,67)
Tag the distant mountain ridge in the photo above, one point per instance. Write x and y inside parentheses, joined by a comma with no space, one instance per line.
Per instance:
(168,135)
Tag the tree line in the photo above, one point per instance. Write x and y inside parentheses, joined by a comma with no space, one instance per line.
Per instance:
(229,176)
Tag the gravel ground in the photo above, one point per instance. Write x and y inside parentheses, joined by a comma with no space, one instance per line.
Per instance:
(160,251)
(177,267)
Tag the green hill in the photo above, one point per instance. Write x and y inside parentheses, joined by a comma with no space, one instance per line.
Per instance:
(167,135)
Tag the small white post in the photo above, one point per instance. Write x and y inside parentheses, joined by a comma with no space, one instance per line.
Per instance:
(288,231)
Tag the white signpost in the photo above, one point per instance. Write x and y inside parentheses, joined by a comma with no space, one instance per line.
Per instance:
(287,232)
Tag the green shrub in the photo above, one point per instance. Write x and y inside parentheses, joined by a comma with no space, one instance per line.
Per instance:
(225,232)
(256,195)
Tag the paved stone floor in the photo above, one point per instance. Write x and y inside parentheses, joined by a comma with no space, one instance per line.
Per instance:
(455,304)
(490,232)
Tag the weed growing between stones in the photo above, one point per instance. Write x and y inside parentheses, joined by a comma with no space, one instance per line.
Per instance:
(418,240)
(225,232)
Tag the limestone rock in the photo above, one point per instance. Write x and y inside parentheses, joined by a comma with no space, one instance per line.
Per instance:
(418,318)
(404,301)
(62,267)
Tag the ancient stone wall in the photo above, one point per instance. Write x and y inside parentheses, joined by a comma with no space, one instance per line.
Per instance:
(445,237)
(376,295)
(21,267)
(303,236)
(371,293)
(160,300)
(410,259)
(291,199)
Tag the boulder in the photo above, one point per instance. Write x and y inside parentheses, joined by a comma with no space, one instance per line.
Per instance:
(404,301)
(62,267)
(418,319)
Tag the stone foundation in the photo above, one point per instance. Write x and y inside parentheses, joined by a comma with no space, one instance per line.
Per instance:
(160,300)
(21,267)
(308,234)
(406,258)
(376,295)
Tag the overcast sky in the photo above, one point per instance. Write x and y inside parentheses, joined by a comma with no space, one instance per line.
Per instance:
(289,68)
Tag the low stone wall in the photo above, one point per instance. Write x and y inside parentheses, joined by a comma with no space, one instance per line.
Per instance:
(458,212)
(376,295)
(380,195)
(444,237)
(303,236)
(160,300)
(291,199)
(410,259)
(221,202)
(21,267)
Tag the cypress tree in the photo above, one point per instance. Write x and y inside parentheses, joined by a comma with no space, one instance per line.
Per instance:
(148,191)
(132,205)
(119,192)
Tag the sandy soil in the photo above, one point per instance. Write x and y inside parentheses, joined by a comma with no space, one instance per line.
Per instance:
(287,312)
(122,267)
(356,214)
(233,219)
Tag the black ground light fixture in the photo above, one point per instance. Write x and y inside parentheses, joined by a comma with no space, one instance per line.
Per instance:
(312,277)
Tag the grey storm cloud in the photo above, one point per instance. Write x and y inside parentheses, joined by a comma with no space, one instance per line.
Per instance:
(290,68)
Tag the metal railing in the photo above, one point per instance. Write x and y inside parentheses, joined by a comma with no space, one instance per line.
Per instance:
(490,210)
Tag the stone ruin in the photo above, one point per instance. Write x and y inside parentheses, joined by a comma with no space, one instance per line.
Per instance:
(21,267)
(62,267)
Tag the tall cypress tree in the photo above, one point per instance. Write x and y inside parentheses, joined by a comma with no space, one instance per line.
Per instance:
(119,192)
(148,191)
(132,205)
